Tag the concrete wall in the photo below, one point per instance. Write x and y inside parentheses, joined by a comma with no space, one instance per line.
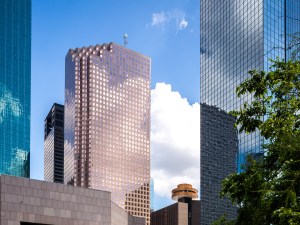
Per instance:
(27,200)
(118,215)
(134,220)
(121,217)
(182,213)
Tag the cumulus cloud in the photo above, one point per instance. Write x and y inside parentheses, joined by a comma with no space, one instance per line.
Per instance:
(175,16)
(175,140)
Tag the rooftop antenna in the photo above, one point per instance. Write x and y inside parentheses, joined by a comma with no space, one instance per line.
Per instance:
(125,40)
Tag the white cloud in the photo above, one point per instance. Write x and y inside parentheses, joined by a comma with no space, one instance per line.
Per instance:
(175,140)
(175,16)
(183,24)
(158,19)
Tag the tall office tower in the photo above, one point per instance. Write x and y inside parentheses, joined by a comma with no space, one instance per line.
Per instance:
(237,36)
(54,145)
(15,75)
(219,146)
(107,124)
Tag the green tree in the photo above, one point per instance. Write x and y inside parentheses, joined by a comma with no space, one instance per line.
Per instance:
(268,190)
(222,220)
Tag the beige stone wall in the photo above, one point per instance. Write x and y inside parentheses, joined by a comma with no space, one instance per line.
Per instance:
(121,217)
(118,215)
(182,213)
(35,201)
(134,220)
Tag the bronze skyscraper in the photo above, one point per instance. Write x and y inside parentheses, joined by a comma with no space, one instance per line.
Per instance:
(107,124)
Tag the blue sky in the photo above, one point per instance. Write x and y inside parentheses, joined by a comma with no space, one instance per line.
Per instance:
(165,30)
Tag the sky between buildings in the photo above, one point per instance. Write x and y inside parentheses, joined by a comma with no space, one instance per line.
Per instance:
(165,30)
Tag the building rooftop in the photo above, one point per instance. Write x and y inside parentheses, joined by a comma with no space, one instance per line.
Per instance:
(184,191)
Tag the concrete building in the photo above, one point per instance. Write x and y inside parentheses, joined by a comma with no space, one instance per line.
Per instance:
(54,145)
(219,148)
(15,83)
(107,124)
(185,212)
(31,202)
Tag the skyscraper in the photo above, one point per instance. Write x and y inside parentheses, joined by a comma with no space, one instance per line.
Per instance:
(54,145)
(107,124)
(219,146)
(15,73)
(237,36)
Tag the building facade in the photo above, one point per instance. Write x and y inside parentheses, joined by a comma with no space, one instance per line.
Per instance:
(107,124)
(151,195)
(237,36)
(31,202)
(176,214)
(219,147)
(54,145)
(185,212)
(15,75)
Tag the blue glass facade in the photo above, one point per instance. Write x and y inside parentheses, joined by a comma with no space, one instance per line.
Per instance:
(237,36)
(15,72)
(292,26)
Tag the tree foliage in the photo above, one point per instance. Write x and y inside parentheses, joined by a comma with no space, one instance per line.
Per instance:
(268,190)
(222,220)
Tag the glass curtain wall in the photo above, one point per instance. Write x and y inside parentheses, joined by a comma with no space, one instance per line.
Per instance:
(15,73)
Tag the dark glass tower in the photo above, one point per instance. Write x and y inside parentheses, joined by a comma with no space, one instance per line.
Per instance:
(15,71)
(237,36)
(219,146)
(54,145)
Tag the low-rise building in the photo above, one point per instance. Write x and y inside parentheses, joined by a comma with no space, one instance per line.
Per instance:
(185,212)
(32,202)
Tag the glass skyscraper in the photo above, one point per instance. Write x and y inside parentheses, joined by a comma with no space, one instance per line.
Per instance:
(15,80)
(107,124)
(237,36)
